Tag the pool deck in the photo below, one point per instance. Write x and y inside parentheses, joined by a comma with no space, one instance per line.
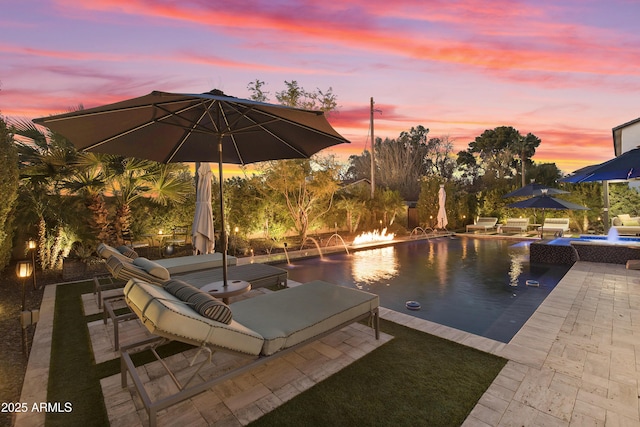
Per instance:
(574,363)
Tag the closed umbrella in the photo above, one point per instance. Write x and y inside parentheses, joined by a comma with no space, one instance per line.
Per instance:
(209,127)
(442,213)
(203,237)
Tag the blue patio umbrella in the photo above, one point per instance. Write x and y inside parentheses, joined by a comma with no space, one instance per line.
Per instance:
(623,167)
(533,189)
(544,201)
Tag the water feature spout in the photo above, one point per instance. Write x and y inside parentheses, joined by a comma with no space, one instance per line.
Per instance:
(316,243)
(286,254)
(613,236)
(420,230)
(337,236)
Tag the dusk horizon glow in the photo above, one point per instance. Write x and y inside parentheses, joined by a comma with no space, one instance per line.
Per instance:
(567,72)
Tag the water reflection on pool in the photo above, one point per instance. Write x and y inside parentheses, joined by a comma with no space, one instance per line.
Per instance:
(476,285)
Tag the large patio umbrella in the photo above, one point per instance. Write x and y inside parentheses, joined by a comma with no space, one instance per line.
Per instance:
(623,167)
(442,213)
(202,233)
(209,127)
(533,189)
(544,201)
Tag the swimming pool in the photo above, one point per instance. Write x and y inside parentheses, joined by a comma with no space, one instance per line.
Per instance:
(476,285)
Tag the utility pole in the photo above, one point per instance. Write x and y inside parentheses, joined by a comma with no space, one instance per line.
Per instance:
(373,161)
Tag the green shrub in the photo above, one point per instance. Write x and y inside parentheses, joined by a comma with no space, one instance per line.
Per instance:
(8,191)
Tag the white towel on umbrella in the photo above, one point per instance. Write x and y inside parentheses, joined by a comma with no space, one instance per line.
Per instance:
(202,231)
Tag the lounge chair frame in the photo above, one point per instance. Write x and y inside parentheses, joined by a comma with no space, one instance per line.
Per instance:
(186,392)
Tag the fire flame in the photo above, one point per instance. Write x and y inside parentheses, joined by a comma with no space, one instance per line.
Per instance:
(373,237)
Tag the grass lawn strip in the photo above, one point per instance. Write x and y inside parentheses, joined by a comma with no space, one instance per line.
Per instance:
(415,378)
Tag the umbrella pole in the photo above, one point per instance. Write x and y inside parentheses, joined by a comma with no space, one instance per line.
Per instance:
(223,233)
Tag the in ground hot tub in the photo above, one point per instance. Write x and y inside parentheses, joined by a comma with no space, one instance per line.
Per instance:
(611,249)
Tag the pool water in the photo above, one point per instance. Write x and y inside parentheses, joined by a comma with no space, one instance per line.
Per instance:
(476,285)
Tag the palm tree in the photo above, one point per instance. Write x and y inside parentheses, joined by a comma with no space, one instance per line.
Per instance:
(46,161)
(130,179)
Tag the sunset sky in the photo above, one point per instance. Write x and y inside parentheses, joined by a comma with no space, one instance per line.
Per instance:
(567,71)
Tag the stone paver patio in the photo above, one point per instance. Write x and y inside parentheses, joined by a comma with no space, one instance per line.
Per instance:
(574,363)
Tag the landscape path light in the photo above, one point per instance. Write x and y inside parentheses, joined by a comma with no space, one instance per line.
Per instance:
(23,271)
(31,245)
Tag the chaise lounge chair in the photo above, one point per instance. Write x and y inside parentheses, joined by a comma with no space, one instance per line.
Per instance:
(258,275)
(262,328)
(124,269)
(556,226)
(626,224)
(515,225)
(483,224)
(176,265)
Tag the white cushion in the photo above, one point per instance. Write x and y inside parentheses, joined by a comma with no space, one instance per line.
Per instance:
(189,263)
(153,268)
(293,315)
(105,251)
(165,315)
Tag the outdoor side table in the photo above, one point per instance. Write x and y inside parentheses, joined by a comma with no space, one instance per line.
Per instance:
(233,288)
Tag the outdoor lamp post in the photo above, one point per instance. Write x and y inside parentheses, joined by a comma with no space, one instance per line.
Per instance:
(23,271)
(31,245)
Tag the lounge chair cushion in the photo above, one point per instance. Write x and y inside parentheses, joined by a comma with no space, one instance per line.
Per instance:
(202,302)
(153,268)
(190,263)
(290,316)
(125,270)
(166,315)
(105,251)
(127,251)
(624,217)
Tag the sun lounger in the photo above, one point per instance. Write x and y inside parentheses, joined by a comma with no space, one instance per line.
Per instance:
(258,275)
(262,328)
(515,225)
(174,265)
(556,226)
(626,224)
(483,224)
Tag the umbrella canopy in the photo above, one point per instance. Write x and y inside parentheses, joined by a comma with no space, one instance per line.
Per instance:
(203,237)
(442,213)
(545,201)
(625,166)
(209,127)
(533,189)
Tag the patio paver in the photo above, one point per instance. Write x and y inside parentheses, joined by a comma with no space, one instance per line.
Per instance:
(575,362)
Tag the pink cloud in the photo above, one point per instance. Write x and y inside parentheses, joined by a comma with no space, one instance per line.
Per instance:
(528,40)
